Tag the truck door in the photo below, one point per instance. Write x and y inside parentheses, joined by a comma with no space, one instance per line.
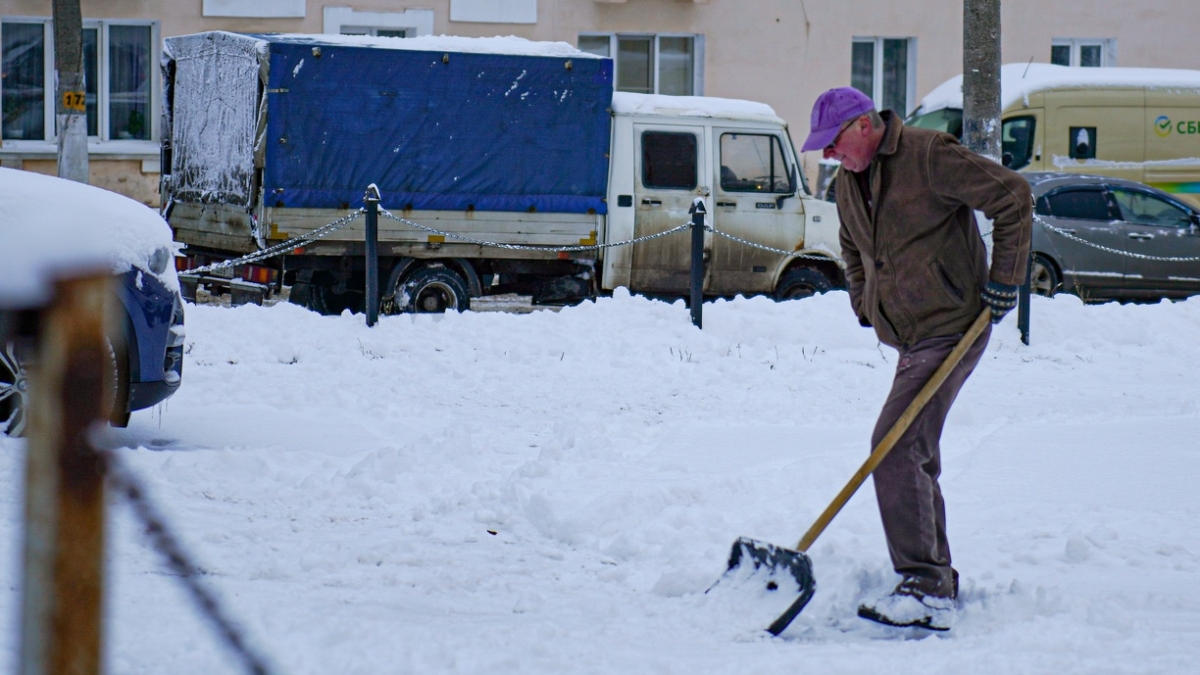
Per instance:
(672,171)
(755,200)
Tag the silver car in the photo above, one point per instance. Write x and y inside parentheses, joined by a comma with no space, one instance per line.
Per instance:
(1112,239)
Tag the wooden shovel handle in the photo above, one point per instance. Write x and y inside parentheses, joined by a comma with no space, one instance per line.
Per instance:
(897,430)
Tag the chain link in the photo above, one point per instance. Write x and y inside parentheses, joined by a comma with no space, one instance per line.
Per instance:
(284,247)
(790,254)
(125,483)
(521,247)
(1139,256)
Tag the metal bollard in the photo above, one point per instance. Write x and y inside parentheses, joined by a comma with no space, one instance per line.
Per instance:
(697,283)
(1023,303)
(371,202)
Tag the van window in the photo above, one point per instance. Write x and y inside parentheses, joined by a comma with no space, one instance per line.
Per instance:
(1144,208)
(669,160)
(753,163)
(1016,141)
(1085,204)
(948,120)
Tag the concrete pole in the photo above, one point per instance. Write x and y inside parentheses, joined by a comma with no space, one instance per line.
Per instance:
(63,575)
(70,111)
(981,77)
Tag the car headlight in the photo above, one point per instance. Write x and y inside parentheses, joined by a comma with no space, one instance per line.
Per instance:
(160,259)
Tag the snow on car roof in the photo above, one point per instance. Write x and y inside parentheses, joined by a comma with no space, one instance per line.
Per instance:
(54,227)
(510,44)
(1019,80)
(693,106)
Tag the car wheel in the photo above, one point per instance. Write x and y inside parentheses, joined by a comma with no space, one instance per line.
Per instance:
(1043,276)
(801,282)
(432,289)
(14,388)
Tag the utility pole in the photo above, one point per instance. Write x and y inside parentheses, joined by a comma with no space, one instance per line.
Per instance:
(981,77)
(70,111)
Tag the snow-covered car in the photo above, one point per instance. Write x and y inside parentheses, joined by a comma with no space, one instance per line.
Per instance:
(1105,238)
(48,223)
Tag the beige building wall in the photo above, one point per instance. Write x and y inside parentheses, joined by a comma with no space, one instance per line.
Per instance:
(782,52)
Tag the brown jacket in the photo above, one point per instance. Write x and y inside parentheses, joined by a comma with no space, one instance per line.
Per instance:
(915,265)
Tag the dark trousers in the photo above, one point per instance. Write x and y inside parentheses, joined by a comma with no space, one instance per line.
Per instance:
(906,482)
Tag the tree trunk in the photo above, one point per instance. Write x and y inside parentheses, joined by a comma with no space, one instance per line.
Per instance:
(981,77)
(70,111)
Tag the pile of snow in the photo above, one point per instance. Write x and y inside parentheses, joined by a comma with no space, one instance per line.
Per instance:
(1019,80)
(51,228)
(553,493)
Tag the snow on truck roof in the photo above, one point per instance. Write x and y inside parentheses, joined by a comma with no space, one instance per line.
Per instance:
(693,106)
(431,43)
(1019,80)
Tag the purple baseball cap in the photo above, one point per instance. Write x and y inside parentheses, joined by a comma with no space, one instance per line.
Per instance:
(833,109)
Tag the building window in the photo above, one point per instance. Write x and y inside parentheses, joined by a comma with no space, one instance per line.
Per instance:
(1083,52)
(118,69)
(886,70)
(407,23)
(652,64)
(494,11)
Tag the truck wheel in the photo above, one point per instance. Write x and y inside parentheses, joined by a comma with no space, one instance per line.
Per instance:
(801,282)
(432,289)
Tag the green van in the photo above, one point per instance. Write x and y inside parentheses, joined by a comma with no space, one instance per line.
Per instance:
(1140,124)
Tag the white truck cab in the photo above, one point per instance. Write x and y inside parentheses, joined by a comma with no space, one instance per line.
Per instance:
(737,156)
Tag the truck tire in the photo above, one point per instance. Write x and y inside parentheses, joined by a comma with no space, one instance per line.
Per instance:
(801,282)
(432,289)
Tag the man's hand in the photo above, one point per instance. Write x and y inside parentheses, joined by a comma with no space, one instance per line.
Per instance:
(1000,297)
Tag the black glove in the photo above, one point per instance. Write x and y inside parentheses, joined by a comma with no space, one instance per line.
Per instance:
(1000,297)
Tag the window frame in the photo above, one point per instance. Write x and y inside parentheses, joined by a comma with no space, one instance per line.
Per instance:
(1189,212)
(1109,201)
(777,172)
(103,74)
(645,166)
(877,68)
(1108,50)
(414,22)
(697,54)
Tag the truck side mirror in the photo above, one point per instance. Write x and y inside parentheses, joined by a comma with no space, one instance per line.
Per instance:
(791,189)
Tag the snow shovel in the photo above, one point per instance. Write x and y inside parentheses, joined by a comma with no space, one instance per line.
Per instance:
(774,562)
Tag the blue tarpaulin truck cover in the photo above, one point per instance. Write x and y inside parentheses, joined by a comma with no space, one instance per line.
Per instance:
(434,130)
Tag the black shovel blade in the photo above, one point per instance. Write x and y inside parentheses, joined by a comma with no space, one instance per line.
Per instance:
(769,564)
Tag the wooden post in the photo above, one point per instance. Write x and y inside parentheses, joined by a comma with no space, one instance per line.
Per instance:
(70,379)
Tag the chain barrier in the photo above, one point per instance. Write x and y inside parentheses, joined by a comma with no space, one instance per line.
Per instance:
(125,483)
(332,227)
(277,249)
(522,247)
(1139,256)
(790,254)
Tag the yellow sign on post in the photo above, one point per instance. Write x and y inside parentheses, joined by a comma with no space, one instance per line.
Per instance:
(73,100)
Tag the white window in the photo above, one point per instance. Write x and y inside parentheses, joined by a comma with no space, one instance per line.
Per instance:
(494,11)
(650,63)
(886,70)
(120,83)
(1083,52)
(259,9)
(408,23)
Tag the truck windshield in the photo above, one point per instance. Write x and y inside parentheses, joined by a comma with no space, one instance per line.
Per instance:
(948,120)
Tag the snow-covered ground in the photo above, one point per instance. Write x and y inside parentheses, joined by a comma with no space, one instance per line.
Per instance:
(553,492)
